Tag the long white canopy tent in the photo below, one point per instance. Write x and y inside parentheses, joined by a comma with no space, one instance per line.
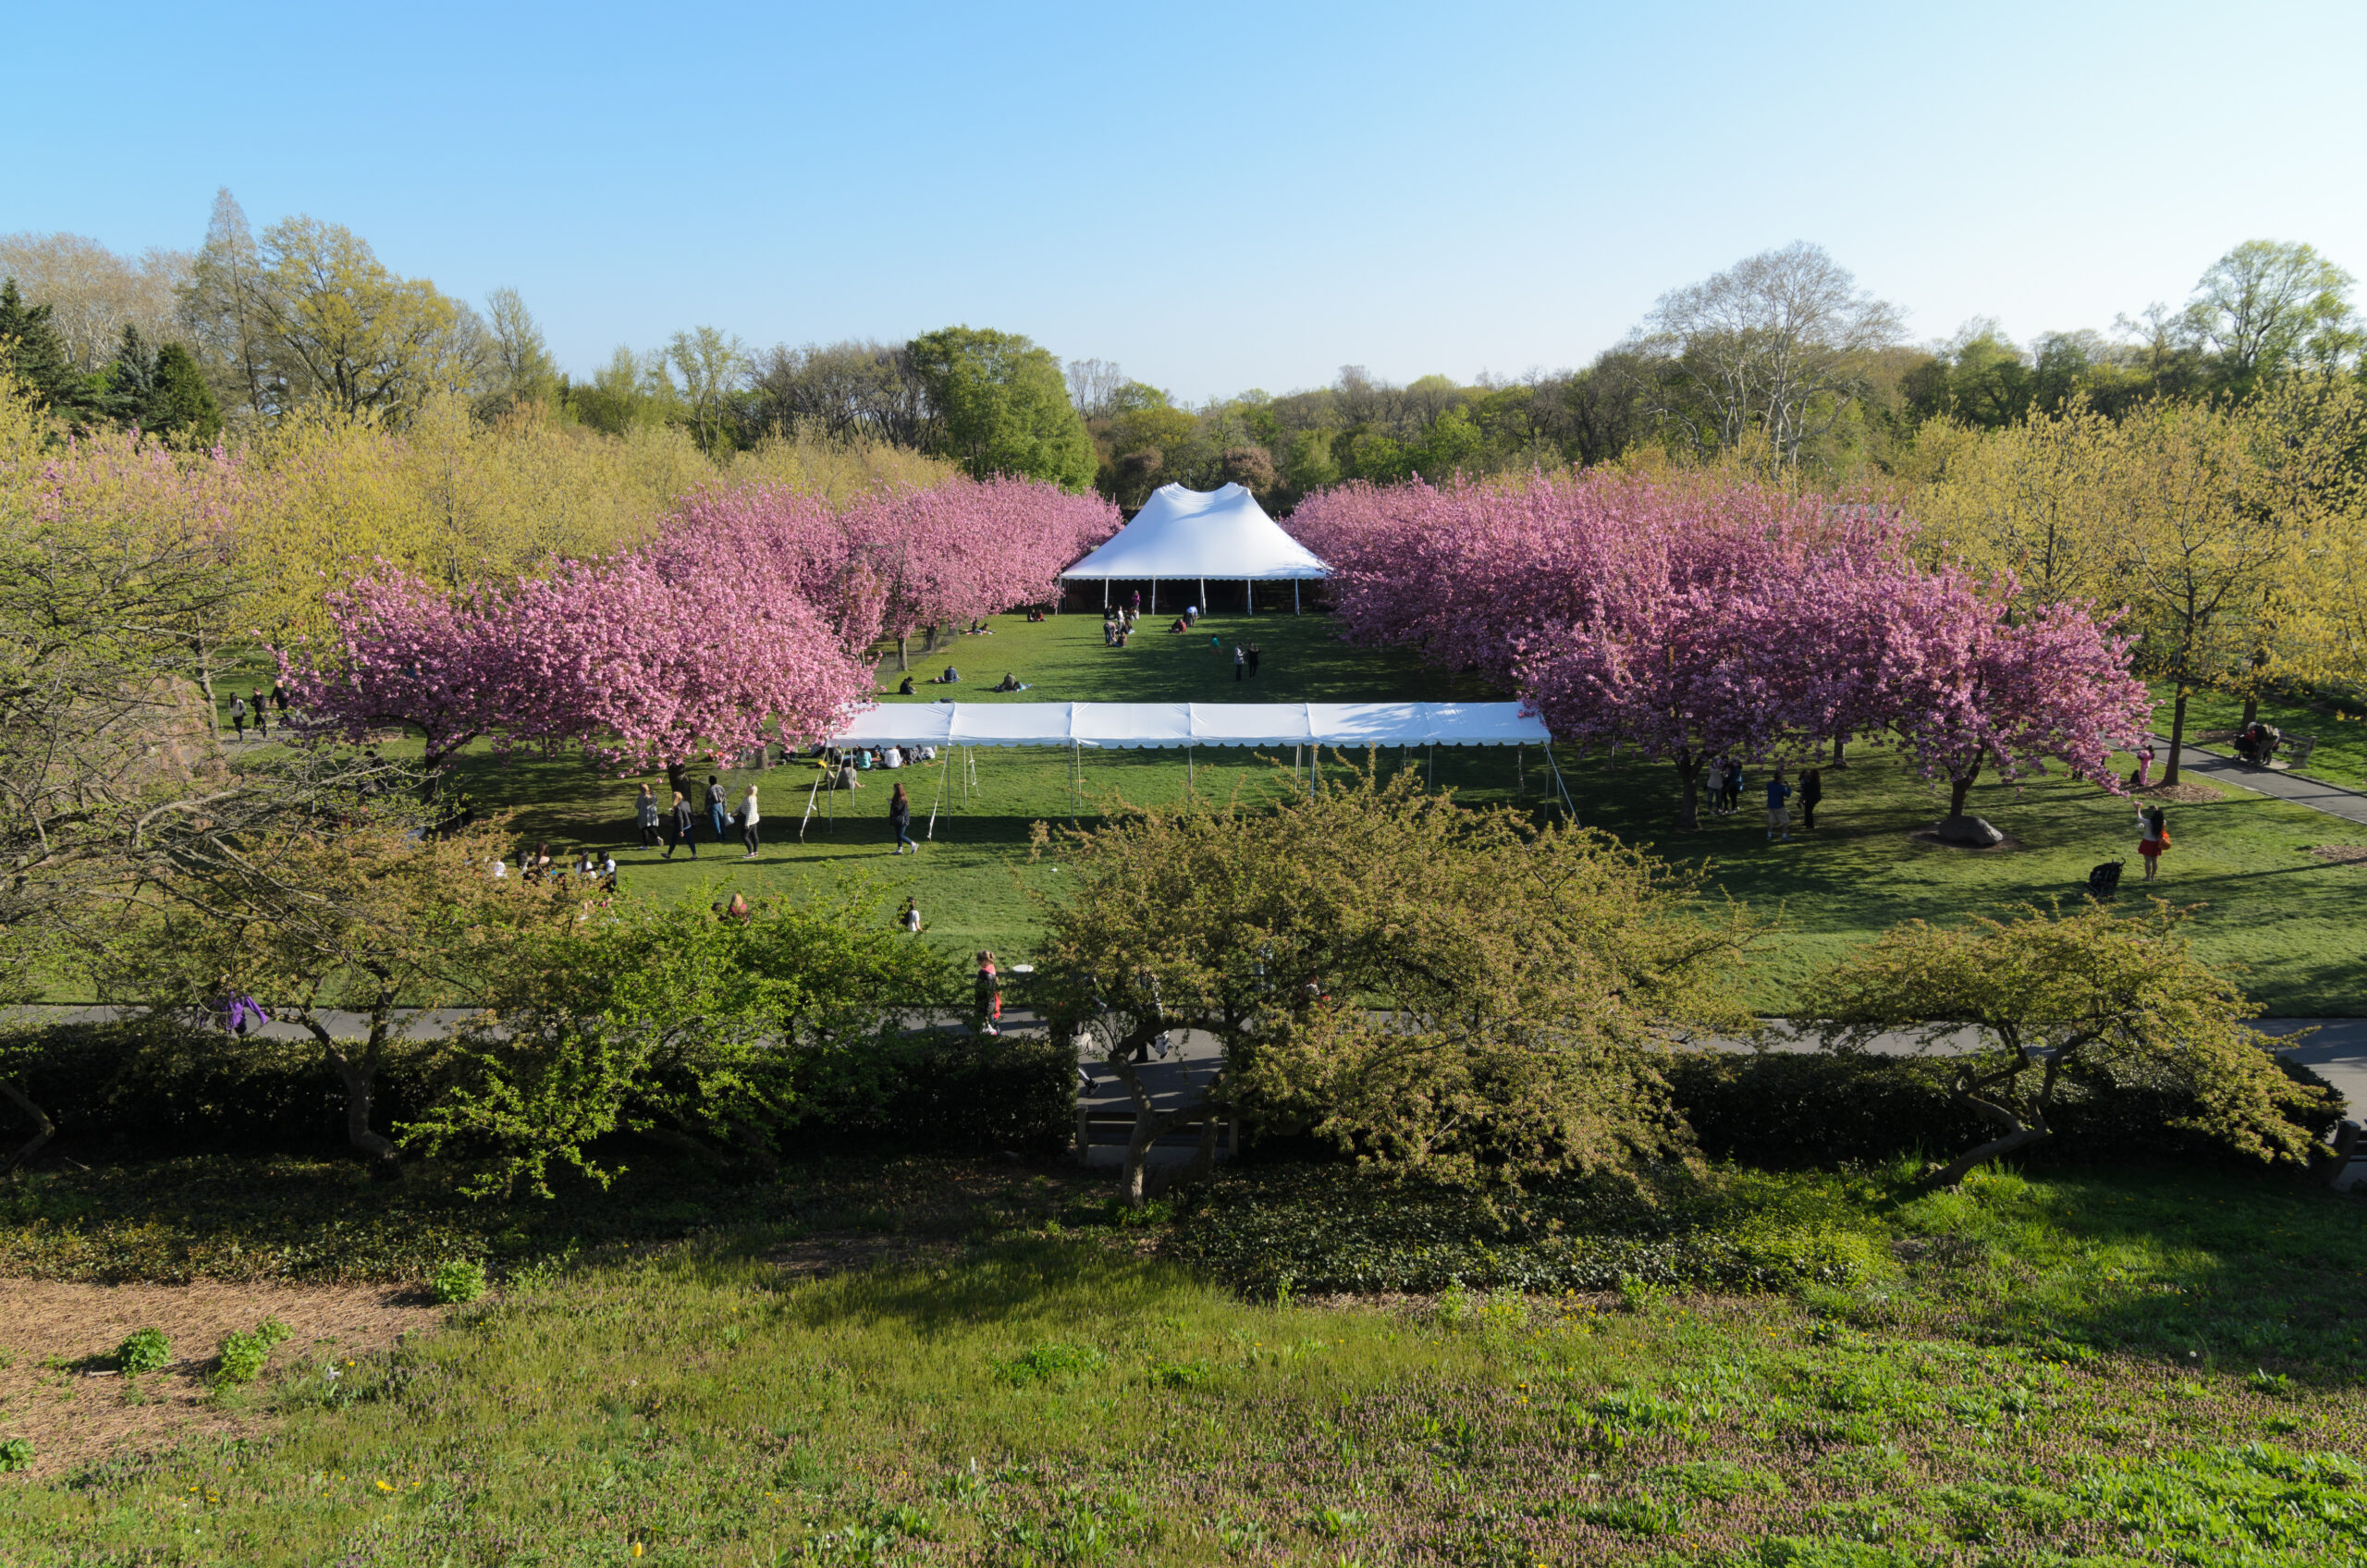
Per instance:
(1196,535)
(1079,727)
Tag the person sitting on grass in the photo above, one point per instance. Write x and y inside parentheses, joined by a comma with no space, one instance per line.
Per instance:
(1010,685)
(906,689)
(950,676)
(1177,625)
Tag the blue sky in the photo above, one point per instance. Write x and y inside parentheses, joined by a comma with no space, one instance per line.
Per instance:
(1215,196)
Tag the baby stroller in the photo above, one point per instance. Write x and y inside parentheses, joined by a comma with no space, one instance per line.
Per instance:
(2104,880)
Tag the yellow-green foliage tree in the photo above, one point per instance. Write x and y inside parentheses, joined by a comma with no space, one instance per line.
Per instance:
(2091,998)
(2229,533)
(455,499)
(1445,992)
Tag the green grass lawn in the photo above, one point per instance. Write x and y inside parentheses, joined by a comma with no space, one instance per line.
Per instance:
(2287,919)
(2097,1369)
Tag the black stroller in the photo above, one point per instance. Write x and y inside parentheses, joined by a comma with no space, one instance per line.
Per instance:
(2104,880)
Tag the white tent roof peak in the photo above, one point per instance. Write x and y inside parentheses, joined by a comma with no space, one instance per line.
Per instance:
(1193,534)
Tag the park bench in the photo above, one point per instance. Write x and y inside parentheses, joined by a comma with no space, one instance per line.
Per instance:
(1102,1137)
(2298,748)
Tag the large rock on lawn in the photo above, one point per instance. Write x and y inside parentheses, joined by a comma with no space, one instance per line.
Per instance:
(1974,831)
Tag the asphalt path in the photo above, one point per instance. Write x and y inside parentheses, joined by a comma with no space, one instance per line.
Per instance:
(2316,793)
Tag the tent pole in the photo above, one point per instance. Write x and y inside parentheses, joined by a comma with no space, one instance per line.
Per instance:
(809,805)
(832,812)
(1204,595)
(1293,595)
(1105,593)
(1191,778)
(1249,595)
(944,776)
(1567,804)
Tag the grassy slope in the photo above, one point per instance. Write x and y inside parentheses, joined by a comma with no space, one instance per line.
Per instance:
(2285,918)
(2117,1368)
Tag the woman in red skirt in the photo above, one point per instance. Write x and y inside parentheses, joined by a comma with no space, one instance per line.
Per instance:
(2153,838)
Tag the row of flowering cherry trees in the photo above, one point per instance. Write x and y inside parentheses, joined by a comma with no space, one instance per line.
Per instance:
(1688,620)
(748,618)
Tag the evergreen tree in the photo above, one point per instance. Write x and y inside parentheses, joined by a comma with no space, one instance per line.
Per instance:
(30,351)
(184,403)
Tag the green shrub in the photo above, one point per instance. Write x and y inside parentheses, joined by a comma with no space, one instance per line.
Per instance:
(1807,1107)
(15,1454)
(1051,1362)
(244,1356)
(457,1281)
(144,1349)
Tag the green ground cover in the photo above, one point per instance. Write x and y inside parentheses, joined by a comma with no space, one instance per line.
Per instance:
(2283,919)
(2111,1368)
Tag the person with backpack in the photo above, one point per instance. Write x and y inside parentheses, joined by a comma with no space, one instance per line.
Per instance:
(2152,837)
(900,817)
(263,715)
(239,715)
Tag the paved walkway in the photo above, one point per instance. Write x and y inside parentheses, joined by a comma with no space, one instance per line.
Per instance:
(2318,795)
(2335,1047)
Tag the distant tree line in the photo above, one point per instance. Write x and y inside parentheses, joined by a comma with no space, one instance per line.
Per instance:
(1781,357)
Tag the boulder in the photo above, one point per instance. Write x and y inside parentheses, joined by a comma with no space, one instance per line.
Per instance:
(1972,830)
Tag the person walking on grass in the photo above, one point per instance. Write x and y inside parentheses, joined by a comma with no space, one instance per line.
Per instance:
(717,809)
(1734,785)
(262,717)
(239,715)
(1240,663)
(1811,791)
(1255,652)
(900,817)
(2153,838)
(684,817)
(748,820)
(1779,812)
(644,810)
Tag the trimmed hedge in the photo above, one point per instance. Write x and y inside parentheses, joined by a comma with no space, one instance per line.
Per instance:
(166,1089)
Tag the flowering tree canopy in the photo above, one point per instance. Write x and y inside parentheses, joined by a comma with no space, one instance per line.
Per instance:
(751,616)
(898,559)
(1695,619)
(639,670)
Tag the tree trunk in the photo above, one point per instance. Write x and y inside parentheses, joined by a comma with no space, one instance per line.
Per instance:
(2178,735)
(677,779)
(1838,743)
(43,1129)
(2252,710)
(1963,1165)
(1957,789)
(361,1089)
(903,651)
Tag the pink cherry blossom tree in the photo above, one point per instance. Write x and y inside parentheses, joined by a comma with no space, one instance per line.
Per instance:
(1997,693)
(1690,619)
(637,667)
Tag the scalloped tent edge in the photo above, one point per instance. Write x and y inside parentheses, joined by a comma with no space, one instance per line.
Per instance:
(1221,535)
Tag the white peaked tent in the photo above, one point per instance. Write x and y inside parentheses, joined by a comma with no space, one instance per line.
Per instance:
(1194,535)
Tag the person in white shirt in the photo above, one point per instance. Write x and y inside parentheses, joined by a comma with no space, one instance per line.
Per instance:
(748,822)
(892,757)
